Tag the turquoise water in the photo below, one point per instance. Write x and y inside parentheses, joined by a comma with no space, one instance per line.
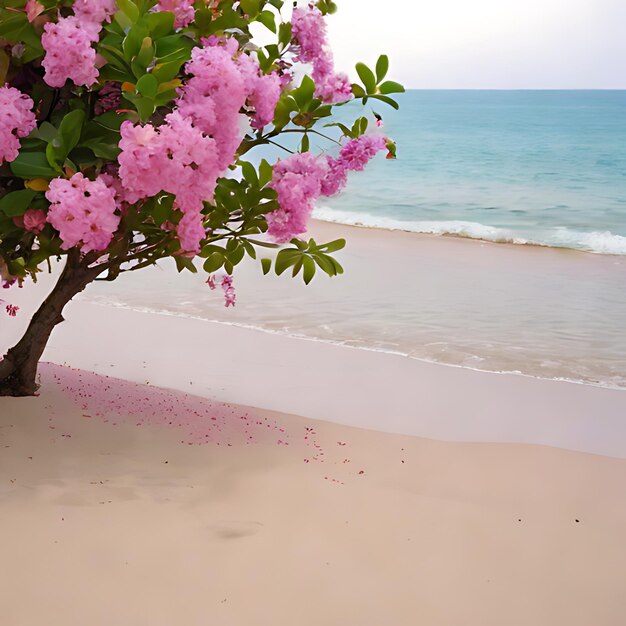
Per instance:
(545,167)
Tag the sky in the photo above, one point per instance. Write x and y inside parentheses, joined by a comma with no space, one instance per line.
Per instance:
(486,44)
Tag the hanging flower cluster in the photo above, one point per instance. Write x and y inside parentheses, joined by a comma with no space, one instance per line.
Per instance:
(309,34)
(302,178)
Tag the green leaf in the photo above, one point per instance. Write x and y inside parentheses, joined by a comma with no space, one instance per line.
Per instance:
(297,266)
(325,264)
(236,255)
(129,9)
(249,248)
(123,20)
(55,155)
(214,262)
(133,41)
(32,165)
(382,67)
(250,7)
(266,265)
(185,263)
(148,86)
(387,100)
(286,258)
(357,91)
(367,77)
(333,246)
(265,173)
(144,57)
(70,129)
(249,173)
(284,34)
(390,86)
(267,19)
(48,132)
(145,107)
(303,95)
(102,149)
(309,269)
(159,24)
(16,202)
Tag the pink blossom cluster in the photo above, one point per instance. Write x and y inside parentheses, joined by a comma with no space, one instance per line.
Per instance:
(298,182)
(221,82)
(308,30)
(69,53)
(227,285)
(186,155)
(177,158)
(357,153)
(91,13)
(183,11)
(302,178)
(12,310)
(16,120)
(83,211)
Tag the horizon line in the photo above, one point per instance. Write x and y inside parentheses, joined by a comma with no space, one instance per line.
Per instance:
(515,88)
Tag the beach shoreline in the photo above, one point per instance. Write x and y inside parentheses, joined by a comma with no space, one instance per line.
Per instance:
(175,470)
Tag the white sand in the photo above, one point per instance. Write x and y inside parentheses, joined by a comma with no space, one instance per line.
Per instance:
(111,515)
(120,524)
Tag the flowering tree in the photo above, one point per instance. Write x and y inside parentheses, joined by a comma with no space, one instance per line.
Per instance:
(125,128)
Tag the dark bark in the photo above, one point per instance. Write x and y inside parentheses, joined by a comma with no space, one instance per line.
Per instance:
(18,369)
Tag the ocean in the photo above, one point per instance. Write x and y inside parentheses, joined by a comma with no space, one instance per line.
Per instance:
(544,167)
(522,167)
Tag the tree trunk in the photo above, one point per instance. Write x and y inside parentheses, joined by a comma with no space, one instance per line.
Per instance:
(18,369)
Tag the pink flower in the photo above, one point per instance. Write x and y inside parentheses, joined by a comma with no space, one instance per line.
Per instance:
(357,153)
(298,182)
(12,310)
(335,178)
(210,281)
(177,158)
(83,211)
(34,221)
(264,98)
(229,291)
(183,11)
(308,31)
(332,88)
(190,231)
(16,120)
(302,178)
(33,9)
(213,97)
(96,11)
(69,53)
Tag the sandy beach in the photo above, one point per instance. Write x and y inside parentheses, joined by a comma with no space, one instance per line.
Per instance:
(178,471)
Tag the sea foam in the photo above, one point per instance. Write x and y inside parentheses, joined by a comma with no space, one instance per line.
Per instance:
(598,242)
